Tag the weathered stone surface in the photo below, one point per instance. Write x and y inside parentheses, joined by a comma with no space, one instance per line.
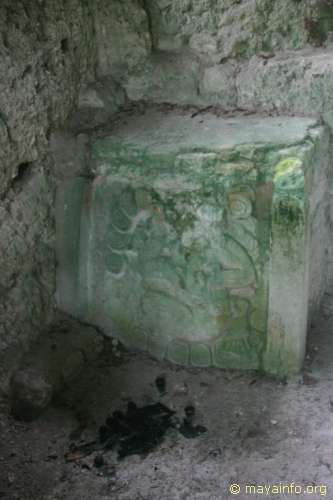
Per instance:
(27,267)
(45,52)
(165,77)
(53,363)
(69,153)
(299,81)
(289,82)
(98,103)
(60,355)
(193,241)
(46,49)
(122,36)
(198,47)
(31,394)
(218,85)
(233,28)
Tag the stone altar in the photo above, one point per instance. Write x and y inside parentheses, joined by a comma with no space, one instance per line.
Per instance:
(202,240)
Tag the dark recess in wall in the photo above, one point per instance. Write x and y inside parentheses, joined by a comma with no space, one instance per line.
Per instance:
(23,172)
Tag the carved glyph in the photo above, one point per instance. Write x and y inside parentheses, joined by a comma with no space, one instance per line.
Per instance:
(180,270)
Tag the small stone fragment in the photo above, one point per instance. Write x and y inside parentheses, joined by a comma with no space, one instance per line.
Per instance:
(30,394)
(309,379)
(180,389)
(266,55)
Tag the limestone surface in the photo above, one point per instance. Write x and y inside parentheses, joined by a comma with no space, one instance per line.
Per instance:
(234,28)
(46,49)
(122,36)
(193,241)
(299,82)
(44,55)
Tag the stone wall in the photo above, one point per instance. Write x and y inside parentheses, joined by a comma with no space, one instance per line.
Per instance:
(215,52)
(232,28)
(122,36)
(46,49)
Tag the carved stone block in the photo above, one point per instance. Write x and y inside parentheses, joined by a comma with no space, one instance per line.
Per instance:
(194,239)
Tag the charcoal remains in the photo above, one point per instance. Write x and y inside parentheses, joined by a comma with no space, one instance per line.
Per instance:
(138,431)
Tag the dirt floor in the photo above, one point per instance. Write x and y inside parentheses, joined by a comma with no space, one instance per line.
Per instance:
(260,433)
